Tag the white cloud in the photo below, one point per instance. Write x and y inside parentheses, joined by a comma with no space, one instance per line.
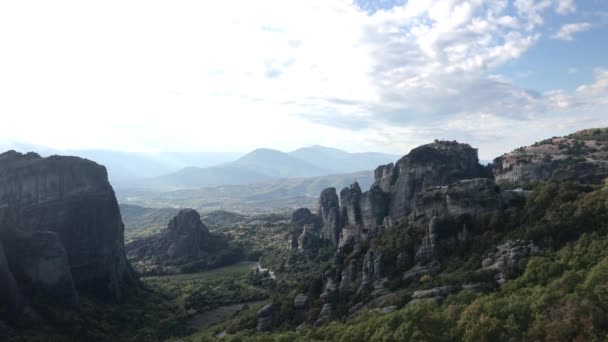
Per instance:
(193,75)
(565,6)
(568,30)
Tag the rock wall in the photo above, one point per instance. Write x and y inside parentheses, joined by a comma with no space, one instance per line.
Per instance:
(329,212)
(436,164)
(61,228)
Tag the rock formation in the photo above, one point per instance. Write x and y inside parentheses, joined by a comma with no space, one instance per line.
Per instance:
(350,205)
(374,206)
(507,255)
(463,202)
(185,239)
(61,230)
(436,164)
(187,236)
(582,156)
(329,212)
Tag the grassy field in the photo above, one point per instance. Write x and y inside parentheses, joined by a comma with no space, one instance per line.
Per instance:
(235,270)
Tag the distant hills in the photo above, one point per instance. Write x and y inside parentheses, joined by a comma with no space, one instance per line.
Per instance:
(267,165)
(125,167)
(283,195)
(338,161)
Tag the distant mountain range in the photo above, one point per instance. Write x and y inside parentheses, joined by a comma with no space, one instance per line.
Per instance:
(125,167)
(186,170)
(266,165)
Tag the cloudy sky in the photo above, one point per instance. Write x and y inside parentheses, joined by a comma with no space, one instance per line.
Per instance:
(361,76)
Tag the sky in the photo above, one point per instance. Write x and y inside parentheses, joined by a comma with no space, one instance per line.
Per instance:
(236,75)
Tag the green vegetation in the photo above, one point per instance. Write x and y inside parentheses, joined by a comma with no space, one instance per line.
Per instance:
(162,310)
(144,316)
(206,290)
(561,294)
(600,134)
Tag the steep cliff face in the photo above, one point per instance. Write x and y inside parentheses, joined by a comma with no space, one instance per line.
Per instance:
(467,199)
(72,201)
(61,227)
(350,203)
(329,212)
(582,156)
(374,206)
(435,164)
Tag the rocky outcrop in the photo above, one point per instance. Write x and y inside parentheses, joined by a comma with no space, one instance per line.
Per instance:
(187,236)
(426,250)
(350,205)
(506,257)
(349,275)
(185,239)
(307,240)
(374,206)
(266,317)
(303,216)
(371,270)
(61,228)
(329,212)
(582,157)
(436,164)
(471,198)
